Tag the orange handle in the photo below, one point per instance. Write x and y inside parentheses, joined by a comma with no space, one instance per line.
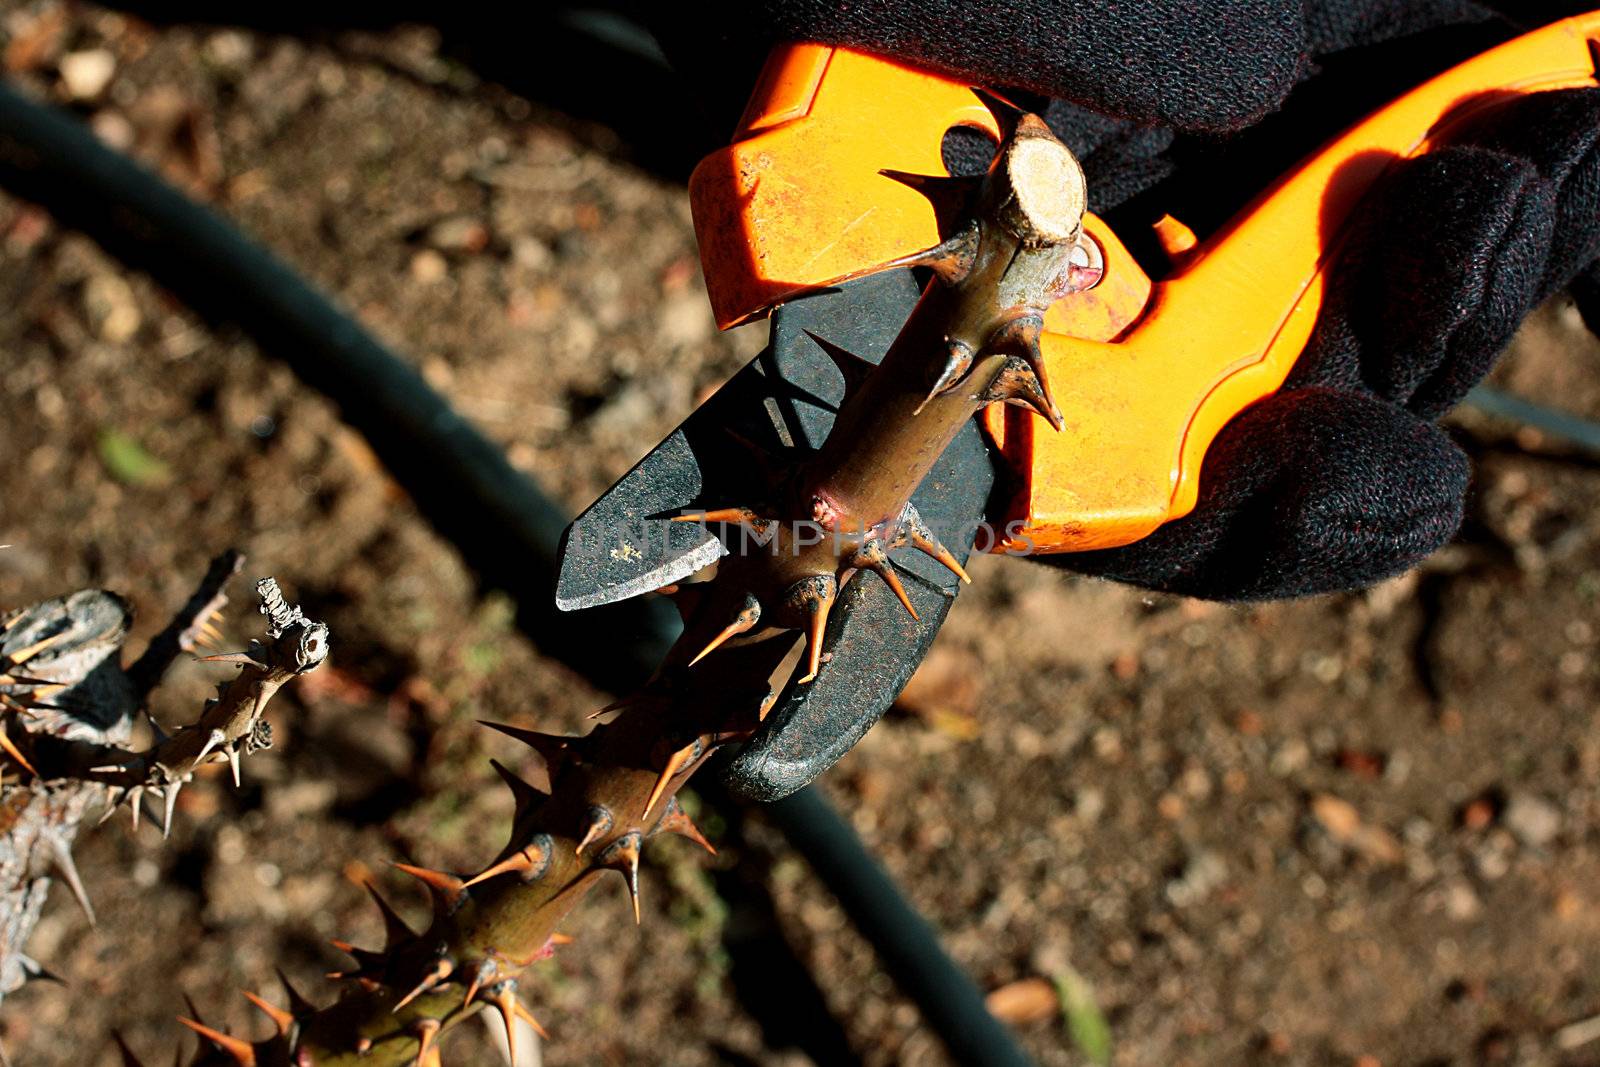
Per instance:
(1145,374)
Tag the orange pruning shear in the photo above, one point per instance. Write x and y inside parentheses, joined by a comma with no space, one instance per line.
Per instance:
(1149,364)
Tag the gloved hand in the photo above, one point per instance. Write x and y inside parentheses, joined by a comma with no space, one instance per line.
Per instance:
(1342,478)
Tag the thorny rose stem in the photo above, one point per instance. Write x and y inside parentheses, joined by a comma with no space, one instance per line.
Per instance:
(595,799)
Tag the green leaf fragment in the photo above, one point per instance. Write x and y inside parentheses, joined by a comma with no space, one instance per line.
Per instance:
(126,460)
(1086,1025)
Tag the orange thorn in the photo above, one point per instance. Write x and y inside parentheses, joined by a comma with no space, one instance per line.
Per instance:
(524,859)
(622,856)
(447,886)
(720,515)
(599,823)
(676,821)
(886,572)
(441,970)
(14,752)
(243,1053)
(280,1018)
(480,974)
(562,939)
(34,649)
(505,1001)
(819,627)
(748,616)
(926,544)
(21,679)
(526,1015)
(427,1030)
(675,763)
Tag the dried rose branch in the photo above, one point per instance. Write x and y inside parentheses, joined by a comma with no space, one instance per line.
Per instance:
(229,727)
(69,708)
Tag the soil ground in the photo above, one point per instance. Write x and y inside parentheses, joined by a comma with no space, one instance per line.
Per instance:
(1360,829)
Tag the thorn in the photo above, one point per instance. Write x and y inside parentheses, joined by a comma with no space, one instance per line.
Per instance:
(525,795)
(872,556)
(283,1020)
(242,659)
(426,1030)
(445,889)
(1007,114)
(33,970)
(297,1003)
(505,1000)
(188,1002)
(923,540)
(1020,338)
(854,369)
(216,738)
(598,822)
(623,855)
(949,196)
(135,806)
(675,763)
(511,1009)
(61,856)
(19,679)
(171,803)
(623,702)
(950,260)
(395,929)
(14,752)
(233,762)
(483,972)
(820,607)
(114,801)
(22,656)
(530,861)
(550,747)
(440,970)
(957,361)
(676,821)
(243,1053)
(737,515)
(748,616)
(527,1016)
(129,1059)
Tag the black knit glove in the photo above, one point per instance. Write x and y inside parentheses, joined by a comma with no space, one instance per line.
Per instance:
(1342,478)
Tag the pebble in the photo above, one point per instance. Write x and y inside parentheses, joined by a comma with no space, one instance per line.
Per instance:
(1460,902)
(86,74)
(460,233)
(110,304)
(1532,819)
(428,266)
(1204,872)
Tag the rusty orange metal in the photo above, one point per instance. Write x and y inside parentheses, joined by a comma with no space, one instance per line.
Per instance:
(1146,373)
